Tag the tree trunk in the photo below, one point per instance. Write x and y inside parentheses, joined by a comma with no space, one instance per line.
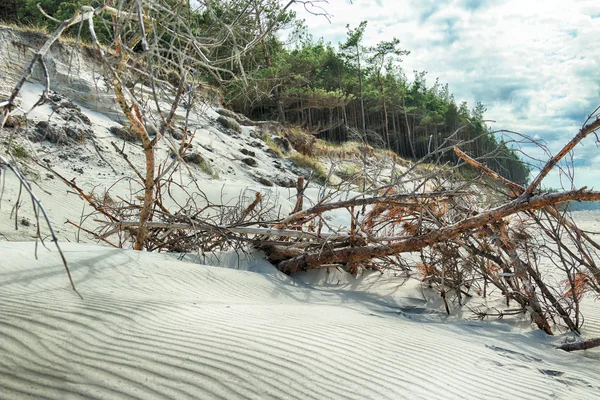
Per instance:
(386,133)
(362,98)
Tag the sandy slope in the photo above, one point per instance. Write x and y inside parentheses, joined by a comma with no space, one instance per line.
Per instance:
(152,327)
(81,162)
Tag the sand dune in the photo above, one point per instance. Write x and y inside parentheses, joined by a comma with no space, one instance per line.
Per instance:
(153,327)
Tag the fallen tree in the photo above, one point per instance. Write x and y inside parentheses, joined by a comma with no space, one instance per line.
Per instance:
(417,242)
(462,245)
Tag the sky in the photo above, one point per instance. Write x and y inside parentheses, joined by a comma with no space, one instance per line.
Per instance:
(535,65)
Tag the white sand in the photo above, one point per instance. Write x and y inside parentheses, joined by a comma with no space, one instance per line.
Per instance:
(152,327)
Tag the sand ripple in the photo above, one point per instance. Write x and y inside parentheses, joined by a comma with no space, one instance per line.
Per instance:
(154,328)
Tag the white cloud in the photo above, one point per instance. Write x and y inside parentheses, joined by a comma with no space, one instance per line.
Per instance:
(534,64)
(583,176)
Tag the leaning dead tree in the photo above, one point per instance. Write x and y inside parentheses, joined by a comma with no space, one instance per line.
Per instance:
(466,248)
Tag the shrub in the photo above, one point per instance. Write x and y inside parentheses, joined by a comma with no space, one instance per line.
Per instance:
(301,141)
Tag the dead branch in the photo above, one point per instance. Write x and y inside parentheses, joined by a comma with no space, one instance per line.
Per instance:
(199,226)
(80,191)
(299,195)
(358,202)
(494,175)
(251,207)
(585,131)
(5,163)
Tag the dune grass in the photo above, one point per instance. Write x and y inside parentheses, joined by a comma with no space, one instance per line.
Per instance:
(320,174)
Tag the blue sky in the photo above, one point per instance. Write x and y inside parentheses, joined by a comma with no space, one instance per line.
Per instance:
(534,64)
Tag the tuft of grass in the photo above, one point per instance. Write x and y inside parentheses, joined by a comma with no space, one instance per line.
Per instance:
(272,144)
(206,168)
(43,32)
(196,158)
(310,163)
(26,27)
(18,151)
(342,150)
(309,145)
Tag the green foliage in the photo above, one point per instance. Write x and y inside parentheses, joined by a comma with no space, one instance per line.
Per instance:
(26,13)
(318,86)
(206,168)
